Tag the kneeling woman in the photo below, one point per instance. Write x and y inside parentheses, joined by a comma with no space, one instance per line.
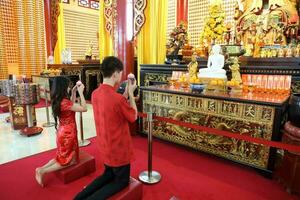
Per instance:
(63,109)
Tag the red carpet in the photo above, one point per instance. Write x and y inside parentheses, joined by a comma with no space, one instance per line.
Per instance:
(42,103)
(185,174)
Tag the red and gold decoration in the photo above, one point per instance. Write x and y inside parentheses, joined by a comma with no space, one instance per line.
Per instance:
(266,23)
(55,11)
(18,115)
(270,84)
(182,11)
(139,16)
(28,94)
(217,112)
(109,12)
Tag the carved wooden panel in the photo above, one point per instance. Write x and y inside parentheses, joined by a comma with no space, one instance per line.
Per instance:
(240,118)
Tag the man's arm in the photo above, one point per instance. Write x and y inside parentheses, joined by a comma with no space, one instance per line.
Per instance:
(131,87)
(133,104)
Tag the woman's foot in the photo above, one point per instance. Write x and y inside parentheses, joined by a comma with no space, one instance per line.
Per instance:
(39,176)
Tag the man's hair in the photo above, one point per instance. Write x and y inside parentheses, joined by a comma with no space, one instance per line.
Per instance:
(110,65)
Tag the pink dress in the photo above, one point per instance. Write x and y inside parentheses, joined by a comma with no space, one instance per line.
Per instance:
(66,139)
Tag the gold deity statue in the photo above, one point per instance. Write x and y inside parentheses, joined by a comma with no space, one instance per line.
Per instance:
(267,17)
(89,51)
(235,71)
(259,43)
(193,67)
(297,51)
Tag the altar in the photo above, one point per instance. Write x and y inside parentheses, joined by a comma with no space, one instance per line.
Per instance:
(259,116)
(153,74)
(87,71)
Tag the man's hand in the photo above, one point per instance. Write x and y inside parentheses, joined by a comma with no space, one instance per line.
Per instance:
(131,87)
(125,94)
(80,89)
(74,89)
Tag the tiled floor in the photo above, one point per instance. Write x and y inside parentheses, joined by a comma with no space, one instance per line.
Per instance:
(15,146)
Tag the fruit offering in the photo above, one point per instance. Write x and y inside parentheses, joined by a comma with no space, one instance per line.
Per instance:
(232,83)
(194,80)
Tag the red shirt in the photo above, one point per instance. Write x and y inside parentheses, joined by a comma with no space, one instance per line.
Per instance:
(112,114)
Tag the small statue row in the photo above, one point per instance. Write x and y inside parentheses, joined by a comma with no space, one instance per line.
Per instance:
(280,52)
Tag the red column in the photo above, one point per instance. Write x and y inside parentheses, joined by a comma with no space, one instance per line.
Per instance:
(47,9)
(182,11)
(124,45)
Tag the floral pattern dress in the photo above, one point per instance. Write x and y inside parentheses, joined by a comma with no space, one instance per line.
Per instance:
(66,139)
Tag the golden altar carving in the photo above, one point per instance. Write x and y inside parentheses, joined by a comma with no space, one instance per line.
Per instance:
(244,118)
(157,77)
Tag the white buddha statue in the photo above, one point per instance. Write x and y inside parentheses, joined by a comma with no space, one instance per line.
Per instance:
(215,65)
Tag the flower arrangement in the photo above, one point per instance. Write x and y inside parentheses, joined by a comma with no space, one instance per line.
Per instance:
(178,37)
(214,25)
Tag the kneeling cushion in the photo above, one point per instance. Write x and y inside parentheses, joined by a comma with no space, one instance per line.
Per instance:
(134,191)
(85,166)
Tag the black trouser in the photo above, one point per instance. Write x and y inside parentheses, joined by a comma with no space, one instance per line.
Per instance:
(113,180)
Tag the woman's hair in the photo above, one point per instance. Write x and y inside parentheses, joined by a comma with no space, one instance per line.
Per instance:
(59,91)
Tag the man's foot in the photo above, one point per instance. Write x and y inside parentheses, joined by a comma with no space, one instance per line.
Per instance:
(38,176)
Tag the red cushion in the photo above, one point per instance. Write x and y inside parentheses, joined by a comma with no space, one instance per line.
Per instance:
(4,99)
(133,192)
(85,166)
(292,130)
(4,107)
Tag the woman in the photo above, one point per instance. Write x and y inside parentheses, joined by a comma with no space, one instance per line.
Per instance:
(63,110)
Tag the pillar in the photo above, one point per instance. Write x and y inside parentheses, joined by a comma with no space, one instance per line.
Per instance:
(124,35)
(47,11)
(182,11)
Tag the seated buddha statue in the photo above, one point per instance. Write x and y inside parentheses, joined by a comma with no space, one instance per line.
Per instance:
(215,65)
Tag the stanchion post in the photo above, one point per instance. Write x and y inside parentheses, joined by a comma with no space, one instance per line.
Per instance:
(150,176)
(29,115)
(48,123)
(149,122)
(82,142)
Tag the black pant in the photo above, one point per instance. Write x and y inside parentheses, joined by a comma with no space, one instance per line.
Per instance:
(113,180)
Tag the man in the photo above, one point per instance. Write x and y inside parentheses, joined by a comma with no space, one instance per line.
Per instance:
(112,115)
